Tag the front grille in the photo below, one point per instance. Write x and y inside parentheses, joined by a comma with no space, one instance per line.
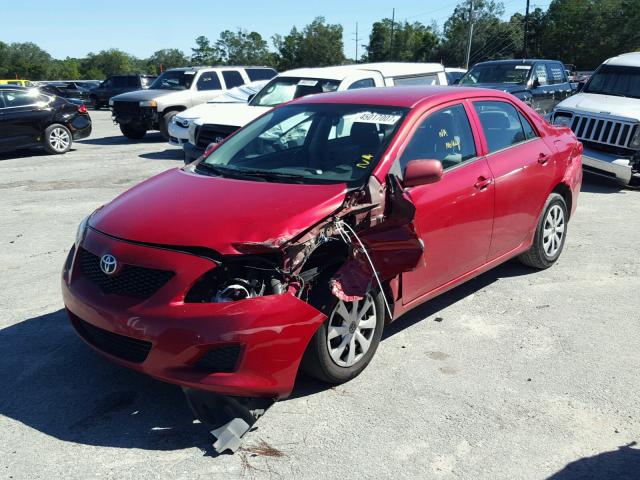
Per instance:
(126,109)
(126,348)
(207,134)
(130,281)
(220,359)
(607,131)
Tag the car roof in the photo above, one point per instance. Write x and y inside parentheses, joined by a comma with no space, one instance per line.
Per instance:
(407,97)
(386,69)
(626,59)
(521,61)
(208,67)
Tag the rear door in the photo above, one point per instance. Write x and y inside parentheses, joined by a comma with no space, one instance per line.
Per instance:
(454,216)
(559,82)
(522,167)
(23,116)
(208,86)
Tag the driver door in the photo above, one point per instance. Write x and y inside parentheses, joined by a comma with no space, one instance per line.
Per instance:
(454,216)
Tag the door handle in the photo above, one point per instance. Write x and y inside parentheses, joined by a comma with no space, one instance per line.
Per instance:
(543,159)
(483,183)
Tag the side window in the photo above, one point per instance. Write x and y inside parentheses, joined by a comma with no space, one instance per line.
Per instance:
(255,74)
(364,83)
(501,124)
(529,132)
(108,83)
(232,78)
(428,79)
(14,98)
(120,82)
(540,72)
(444,135)
(209,81)
(1,101)
(556,73)
(133,82)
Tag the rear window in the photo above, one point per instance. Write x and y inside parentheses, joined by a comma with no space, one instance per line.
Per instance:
(255,74)
(429,79)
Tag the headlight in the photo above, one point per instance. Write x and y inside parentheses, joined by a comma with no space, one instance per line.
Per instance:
(192,133)
(82,230)
(562,120)
(635,140)
(148,103)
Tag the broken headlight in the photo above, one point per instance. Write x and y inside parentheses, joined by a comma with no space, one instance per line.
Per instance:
(562,120)
(635,140)
(236,279)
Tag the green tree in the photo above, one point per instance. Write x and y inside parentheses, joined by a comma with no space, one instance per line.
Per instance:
(412,42)
(27,60)
(166,58)
(109,62)
(205,53)
(319,44)
(243,48)
(67,69)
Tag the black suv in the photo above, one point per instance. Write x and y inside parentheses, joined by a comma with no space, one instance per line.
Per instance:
(29,118)
(540,83)
(117,84)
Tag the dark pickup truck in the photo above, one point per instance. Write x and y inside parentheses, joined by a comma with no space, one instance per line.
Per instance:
(542,84)
(117,84)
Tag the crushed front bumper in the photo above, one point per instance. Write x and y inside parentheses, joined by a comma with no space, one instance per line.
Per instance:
(272,332)
(609,165)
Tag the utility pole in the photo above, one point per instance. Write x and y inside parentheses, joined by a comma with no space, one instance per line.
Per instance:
(525,40)
(470,33)
(356,42)
(393,23)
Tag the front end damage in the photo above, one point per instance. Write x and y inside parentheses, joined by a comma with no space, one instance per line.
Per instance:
(362,246)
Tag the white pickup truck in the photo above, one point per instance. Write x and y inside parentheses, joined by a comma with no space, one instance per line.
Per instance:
(605,116)
(217,121)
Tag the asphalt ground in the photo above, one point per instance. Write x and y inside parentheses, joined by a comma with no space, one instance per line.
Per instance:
(518,374)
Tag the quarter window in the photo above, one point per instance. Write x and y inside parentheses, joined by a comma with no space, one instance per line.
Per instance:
(364,83)
(502,124)
(429,79)
(232,78)
(529,132)
(445,135)
(209,81)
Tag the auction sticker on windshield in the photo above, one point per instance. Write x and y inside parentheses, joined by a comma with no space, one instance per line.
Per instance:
(380,118)
(523,67)
(307,83)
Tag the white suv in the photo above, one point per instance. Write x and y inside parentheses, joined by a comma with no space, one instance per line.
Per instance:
(605,116)
(174,91)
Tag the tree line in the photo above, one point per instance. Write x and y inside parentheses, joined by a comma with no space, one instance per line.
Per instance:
(580,32)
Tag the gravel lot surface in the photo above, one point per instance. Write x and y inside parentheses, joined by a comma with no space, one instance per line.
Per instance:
(517,374)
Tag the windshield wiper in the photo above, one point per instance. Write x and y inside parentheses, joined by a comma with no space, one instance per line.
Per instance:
(271,174)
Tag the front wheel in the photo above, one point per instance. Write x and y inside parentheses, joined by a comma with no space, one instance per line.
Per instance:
(550,235)
(132,131)
(165,122)
(57,139)
(345,343)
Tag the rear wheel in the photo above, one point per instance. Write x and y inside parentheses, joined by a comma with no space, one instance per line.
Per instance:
(133,131)
(345,343)
(550,235)
(165,122)
(57,139)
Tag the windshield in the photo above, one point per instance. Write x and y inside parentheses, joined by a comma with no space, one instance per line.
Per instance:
(496,73)
(176,80)
(324,143)
(615,80)
(285,89)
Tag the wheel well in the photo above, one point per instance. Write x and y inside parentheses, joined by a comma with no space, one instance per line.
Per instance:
(175,108)
(563,190)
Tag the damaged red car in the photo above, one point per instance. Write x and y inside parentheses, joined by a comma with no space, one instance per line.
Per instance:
(292,243)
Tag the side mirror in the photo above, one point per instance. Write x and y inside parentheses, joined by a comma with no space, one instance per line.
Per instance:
(422,172)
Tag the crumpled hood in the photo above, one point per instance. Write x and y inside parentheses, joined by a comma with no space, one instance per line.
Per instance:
(234,114)
(138,95)
(182,208)
(505,87)
(606,104)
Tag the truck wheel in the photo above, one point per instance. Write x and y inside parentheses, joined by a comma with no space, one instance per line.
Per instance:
(57,139)
(550,235)
(133,131)
(345,343)
(165,122)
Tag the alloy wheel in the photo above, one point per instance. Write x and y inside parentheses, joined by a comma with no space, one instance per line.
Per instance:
(59,139)
(553,231)
(350,330)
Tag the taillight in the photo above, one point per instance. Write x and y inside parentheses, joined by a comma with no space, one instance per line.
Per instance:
(82,109)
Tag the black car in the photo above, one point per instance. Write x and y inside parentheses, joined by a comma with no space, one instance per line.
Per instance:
(117,84)
(540,83)
(30,118)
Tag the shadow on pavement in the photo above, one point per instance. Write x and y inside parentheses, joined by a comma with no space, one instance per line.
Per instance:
(168,154)
(620,464)
(151,137)
(596,184)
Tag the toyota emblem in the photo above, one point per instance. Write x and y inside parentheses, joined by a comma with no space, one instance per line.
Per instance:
(108,264)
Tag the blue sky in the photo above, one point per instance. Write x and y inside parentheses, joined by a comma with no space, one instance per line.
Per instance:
(142,27)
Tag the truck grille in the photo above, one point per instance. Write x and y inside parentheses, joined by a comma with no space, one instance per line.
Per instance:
(616,133)
(207,134)
(130,281)
(126,109)
(120,346)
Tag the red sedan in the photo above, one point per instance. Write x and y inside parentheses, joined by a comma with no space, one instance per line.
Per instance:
(293,242)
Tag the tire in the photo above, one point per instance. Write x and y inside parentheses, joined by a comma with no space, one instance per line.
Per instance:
(57,139)
(165,122)
(324,359)
(133,131)
(550,235)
